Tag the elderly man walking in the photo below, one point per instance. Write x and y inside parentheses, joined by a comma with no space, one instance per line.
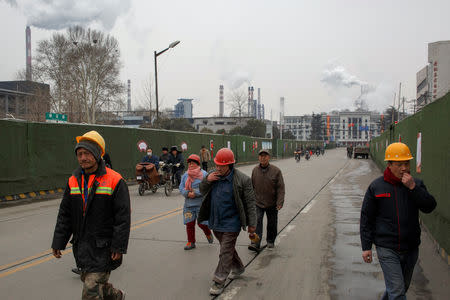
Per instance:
(268,184)
(390,220)
(228,205)
(95,211)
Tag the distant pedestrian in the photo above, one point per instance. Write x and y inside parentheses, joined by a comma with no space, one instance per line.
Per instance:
(390,220)
(268,184)
(151,158)
(95,211)
(164,155)
(205,157)
(189,188)
(228,206)
(176,158)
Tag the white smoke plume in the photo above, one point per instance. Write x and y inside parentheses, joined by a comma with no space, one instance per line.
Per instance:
(236,79)
(337,76)
(60,14)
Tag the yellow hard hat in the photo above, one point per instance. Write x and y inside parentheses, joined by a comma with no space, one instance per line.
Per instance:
(397,152)
(95,137)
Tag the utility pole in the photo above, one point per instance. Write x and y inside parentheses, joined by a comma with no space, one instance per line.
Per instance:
(393,109)
(399,94)
(403,103)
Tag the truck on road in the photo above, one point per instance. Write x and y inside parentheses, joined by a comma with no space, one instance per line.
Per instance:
(362,151)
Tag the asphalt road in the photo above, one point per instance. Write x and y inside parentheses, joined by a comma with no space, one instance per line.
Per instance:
(316,256)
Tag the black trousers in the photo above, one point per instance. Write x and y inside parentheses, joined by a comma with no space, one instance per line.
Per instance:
(205,165)
(272,222)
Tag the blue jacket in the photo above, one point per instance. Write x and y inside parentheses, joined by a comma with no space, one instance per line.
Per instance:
(224,215)
(192,202)
(153,159)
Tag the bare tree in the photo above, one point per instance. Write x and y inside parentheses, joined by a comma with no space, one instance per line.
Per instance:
(237,102)
(146,99)
(83,67)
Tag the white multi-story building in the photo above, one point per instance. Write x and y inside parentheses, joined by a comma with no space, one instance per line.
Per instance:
(341,127)
(433,81)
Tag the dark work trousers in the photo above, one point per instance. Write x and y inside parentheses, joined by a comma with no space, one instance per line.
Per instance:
(228,258)
(272,222)
(397,270)
(205,165)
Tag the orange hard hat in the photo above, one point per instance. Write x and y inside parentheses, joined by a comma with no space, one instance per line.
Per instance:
(397,152)
(224,157)
(194,157)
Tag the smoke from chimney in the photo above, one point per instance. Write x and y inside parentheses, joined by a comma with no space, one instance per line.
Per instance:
(28,53)
(221,101)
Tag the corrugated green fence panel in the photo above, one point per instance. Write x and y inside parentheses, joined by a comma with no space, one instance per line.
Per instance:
(434,123)
(14,169)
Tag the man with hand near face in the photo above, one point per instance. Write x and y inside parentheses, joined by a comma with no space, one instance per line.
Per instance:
(228,205)
(390,220)
(269,188)
(95,211)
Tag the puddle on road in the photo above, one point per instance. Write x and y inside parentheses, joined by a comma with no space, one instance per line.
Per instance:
(350,277)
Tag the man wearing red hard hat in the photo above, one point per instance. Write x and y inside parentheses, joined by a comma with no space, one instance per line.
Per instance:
(228,206)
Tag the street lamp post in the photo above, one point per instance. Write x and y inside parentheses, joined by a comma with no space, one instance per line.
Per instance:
(172,45)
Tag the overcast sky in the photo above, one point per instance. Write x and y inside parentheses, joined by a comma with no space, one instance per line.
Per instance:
(316,54)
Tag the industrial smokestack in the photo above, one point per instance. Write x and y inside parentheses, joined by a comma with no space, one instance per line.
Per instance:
(258,114)
(221,101)
(28,53)
(281,117)
(252,113)
(249,101)
(129,95)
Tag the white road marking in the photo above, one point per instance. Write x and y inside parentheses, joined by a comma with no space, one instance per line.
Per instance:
(285,232)
(229,294)
(308,207)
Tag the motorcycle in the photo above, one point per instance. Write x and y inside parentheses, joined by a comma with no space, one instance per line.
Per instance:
(297,156)
(318,152)
(147,178)
(307,155)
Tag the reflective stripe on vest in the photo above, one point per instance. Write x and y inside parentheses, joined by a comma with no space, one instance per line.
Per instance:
(106,185)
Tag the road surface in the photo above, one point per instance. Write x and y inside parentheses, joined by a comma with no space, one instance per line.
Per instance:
(317,254)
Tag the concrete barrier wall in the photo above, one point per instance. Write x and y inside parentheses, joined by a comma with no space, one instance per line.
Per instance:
(433,122)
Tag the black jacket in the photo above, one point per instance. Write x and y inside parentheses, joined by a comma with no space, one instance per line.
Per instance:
(99,229)
(390,215)
(177,159)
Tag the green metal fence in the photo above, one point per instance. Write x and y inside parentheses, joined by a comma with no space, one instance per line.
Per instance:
(40,156)
(433,123)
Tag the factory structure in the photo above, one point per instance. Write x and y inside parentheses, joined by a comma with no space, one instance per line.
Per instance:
(25,99)
(433,80)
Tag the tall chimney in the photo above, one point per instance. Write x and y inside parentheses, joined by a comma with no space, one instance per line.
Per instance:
(129,95)
(281,116)
(249,101)
(258,113)
(221,101)
(252,102)
(28,53)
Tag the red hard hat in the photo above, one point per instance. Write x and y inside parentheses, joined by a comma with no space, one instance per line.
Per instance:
(194,157)
(224,157)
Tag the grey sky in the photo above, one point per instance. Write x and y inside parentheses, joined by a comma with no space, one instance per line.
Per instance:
(283,47)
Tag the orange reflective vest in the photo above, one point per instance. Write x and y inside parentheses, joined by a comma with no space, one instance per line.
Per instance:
(106,185)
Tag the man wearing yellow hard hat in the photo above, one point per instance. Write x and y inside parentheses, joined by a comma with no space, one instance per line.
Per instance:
(95,211)
(390,220)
